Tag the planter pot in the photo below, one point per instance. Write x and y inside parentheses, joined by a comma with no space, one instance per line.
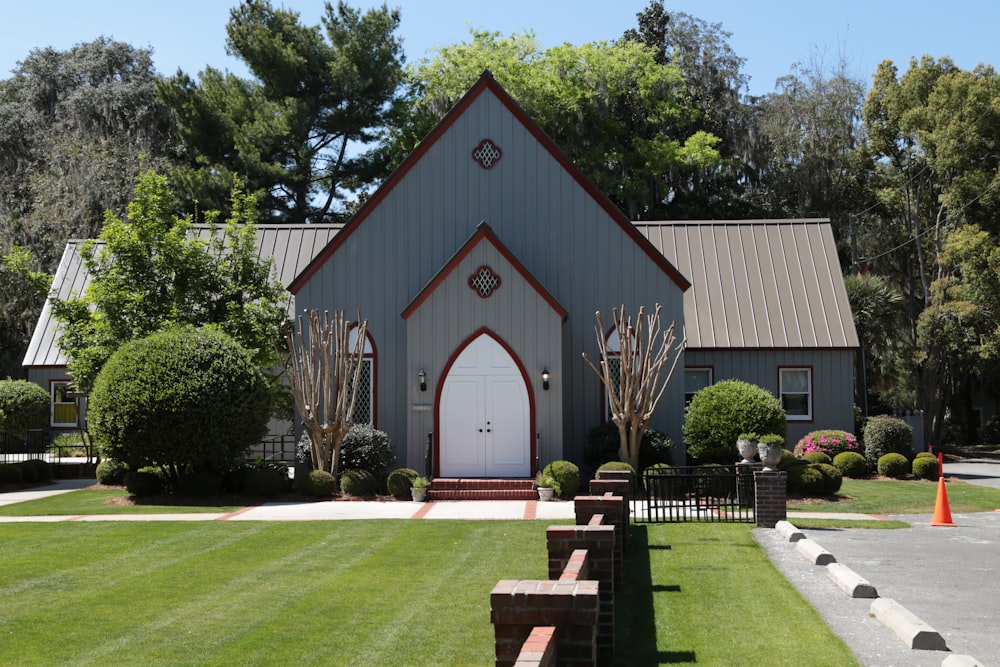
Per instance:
(770,455)
(747,449)
(419,494)
(545,493)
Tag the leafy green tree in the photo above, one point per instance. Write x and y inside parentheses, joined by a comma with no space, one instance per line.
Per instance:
(26,406)
(150,271)
(297,131)
(610,107)
(885,355)
(184,399)
(22,294)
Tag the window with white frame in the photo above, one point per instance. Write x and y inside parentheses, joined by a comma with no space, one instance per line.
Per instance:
(695,379)
(64,410)
(795,389)
(364,406)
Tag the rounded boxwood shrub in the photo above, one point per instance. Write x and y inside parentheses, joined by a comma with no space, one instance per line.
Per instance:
(358,483)
(789,460)
(829,441)
(24,406)
(604,440)
(367,448)
(807,480)
(182,399)
(399,481)
(200,484)
(111,472)
(318,484)
(851,464)
(714,479)
(10,474)
(925,467)
(925,455)
(566,475)
(816,457)
(264,481)
(884,435)
(28,473)
(893,465)
(143,483)
(718,414)
(832,477)
(43,468)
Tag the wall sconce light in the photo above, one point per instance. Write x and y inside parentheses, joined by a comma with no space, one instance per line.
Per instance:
(423,379)
(545,379)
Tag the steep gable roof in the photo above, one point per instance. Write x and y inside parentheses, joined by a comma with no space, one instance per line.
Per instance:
(759,284)
(487,84)
(290,246)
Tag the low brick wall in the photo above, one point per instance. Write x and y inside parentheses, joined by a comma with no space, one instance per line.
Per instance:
(569,618)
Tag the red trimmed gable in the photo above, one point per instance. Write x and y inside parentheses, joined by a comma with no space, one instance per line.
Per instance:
(483,232)
(488,83)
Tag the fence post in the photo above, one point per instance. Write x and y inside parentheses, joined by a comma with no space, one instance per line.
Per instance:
(772,497)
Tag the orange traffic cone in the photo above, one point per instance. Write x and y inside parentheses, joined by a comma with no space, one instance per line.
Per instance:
(942,513)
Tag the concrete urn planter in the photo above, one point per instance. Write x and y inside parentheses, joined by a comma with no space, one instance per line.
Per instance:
(747,447)
(545,493)
(418,493)
(770,454)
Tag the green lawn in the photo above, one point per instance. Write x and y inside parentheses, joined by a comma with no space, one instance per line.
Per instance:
(100,501)
(875,496)
(372,593)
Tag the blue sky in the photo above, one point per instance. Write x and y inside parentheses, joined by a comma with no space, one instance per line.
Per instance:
(770,34)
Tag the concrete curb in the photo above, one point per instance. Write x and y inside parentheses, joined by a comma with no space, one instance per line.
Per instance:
(789,532)
(905,625)
(850,582)
(814,553)
(961,661)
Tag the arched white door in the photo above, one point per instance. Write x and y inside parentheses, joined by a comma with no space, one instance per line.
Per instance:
(485,415)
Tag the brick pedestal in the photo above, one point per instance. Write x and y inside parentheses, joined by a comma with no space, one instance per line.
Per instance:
(771,489)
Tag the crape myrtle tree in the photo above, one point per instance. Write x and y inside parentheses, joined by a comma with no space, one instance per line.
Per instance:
(324,372)
(646,360)
(296,131)
(150,271)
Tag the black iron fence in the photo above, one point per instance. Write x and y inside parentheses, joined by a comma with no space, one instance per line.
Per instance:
(716,493)
(274,448)
(14,448)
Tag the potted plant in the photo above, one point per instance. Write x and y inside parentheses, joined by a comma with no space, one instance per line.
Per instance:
(418,489)
(769,447)
(746,444)
(545,485)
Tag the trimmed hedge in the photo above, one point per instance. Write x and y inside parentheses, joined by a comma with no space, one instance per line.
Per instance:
(318,484)
(807,479)
(358,483)
(832,477)
(10,474)
(400,481)
(367,448)
(851,464)
(142,483)
(718,414)
(24,406)
(566,475)
(884,435)
(893,465)
(111,472)
(925,467)
(604,440)
(817,457)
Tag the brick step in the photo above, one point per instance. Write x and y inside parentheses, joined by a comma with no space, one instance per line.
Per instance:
(450,488)
(472,484)
(481,494)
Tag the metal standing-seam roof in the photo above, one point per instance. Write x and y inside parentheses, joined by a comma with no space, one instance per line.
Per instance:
(291,247)
(758,284)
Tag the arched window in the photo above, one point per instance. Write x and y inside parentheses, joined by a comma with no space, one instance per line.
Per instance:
(364,407)
(614,347)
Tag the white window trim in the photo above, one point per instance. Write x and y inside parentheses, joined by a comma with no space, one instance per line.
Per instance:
(808,393)
(52,405)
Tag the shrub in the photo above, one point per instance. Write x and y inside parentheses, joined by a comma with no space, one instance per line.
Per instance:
(884,435)
(266,481)
(10,474)
(924,455)
(111,472)
(43,469)
(184,398)
(28,473)
(832,477)
(143,483)
(358,483)
(807,480)
(367,448)
(714,479)
(816,457)
(789,460)
(24,406)
(566,475)
(830,441)
(718,414)
(603,442)
(200,484)
(615,466)
(893,465)
(925,467)
(399,481)
(318,484)
(851,464)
